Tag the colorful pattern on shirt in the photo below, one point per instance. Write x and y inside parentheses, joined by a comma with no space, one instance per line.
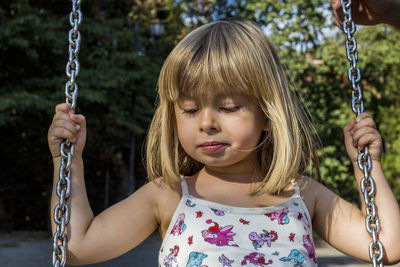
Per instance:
(207,234)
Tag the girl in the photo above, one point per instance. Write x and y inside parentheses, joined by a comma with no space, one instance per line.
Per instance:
(226,153)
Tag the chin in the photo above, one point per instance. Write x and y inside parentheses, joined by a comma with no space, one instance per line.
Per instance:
(219,163)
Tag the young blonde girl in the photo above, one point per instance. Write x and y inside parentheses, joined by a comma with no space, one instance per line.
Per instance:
(226,155)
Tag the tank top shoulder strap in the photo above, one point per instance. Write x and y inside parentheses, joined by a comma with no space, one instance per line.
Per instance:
(185,189)
(296,187)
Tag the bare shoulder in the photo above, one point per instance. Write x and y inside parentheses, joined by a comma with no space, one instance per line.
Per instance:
(162,190)
(318,192)
(305,182)
(309,188)
(166,199)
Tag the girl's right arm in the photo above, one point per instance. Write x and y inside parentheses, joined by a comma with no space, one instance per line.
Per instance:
(117,229)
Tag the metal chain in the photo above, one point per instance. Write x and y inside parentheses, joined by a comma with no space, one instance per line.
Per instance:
(61,211)
(364,160)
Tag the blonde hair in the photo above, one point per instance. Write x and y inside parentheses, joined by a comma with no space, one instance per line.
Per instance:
(231,57)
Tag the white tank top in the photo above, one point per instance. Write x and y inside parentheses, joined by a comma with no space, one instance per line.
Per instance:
(204,233)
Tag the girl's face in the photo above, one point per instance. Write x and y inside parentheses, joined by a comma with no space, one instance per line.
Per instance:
(220,131)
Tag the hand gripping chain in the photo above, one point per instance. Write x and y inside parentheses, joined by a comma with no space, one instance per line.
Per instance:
(364,160)
(61,211)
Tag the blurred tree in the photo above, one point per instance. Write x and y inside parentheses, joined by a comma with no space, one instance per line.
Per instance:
(322,80)
(33,45)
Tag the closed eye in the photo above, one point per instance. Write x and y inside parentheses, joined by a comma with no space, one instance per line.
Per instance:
(230,109)
(190,111)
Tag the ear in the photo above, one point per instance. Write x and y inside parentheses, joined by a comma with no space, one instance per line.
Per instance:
(267,126)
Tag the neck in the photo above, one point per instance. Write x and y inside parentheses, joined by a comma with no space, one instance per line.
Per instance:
(232,175)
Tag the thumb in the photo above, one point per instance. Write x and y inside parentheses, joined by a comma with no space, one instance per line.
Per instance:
(348,136)
(348,128)
(79,119)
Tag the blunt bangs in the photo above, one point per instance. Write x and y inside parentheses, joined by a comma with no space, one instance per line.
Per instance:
(213,61)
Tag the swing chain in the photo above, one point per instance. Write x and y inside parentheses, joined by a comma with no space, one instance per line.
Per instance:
(72,68)
(61,211)
(364,160)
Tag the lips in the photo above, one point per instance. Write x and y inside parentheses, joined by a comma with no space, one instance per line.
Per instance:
(212,143)
(212,146)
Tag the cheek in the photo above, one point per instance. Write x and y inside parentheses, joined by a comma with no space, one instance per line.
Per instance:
(248,133)
(185,134)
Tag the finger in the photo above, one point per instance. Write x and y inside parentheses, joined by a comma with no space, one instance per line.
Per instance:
(365,140)
(60,115)
(80,121)
(337,13)
(367,122)
(63,107)
(67,124)
(63,133)
(348,136)
(350,126)
(364,115)
(76,117)
(364,131)
(335,4)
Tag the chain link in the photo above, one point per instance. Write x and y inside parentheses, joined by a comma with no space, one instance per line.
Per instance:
(364,160)
(61,211)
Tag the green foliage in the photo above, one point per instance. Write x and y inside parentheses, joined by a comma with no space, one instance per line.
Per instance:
(115,75)
(379,64)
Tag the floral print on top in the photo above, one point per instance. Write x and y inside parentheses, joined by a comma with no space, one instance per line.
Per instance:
(203,233)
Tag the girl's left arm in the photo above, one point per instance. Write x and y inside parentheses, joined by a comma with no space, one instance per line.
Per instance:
(343,225)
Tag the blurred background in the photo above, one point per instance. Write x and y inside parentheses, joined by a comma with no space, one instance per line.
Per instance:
(124,44)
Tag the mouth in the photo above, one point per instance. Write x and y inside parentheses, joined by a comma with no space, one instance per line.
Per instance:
(212,146)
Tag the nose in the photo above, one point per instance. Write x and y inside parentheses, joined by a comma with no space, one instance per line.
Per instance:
(208,120)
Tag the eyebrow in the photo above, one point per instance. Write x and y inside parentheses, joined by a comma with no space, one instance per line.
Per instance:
(213,96)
